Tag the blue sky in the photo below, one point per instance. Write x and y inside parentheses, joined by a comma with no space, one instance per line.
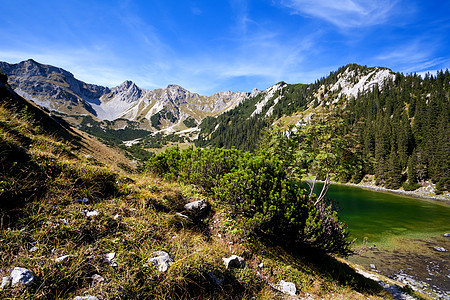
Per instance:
(211,45)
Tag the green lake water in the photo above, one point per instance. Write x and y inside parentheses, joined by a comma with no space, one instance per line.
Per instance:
(404,231)
(381,216)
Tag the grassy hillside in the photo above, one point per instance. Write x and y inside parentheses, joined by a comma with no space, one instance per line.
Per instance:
(55,200)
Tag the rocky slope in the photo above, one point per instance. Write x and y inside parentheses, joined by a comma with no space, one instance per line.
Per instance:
(166,108)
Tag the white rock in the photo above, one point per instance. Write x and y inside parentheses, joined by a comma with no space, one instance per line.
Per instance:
(90,213)
(97,278)
(372,266)
(287,287)
(110,258)
(21,275)
(85,298)
(197,206)
(261,265)
(62,258)
(6,281)
(162,260)
(117,217)
(447,234)
(233,261)
(440,249)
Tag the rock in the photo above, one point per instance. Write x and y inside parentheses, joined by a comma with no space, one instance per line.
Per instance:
(62,258)
(261,265)
(117,217)
(97,278)
(162,260)
(82,200)
(90,213)
(287,287)
(34,249)
(372,266)
(197,207)
(110,258)
(447,234)
(440,249)
(234,261)
(85,298)
(6,281)
(21,275)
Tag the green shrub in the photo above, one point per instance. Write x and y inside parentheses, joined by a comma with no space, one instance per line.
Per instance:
(260,198)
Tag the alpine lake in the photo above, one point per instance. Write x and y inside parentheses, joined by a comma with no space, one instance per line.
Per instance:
(398,236)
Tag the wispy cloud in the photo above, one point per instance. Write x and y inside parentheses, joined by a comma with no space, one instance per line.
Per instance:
(413,57)
(344,13)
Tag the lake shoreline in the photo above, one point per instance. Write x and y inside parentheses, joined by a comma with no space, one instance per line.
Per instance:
(421,193)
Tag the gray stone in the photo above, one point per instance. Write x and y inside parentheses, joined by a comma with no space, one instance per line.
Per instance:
(21,275)
(162,260)
(110,258)
(287,287)
(234,261)
(97,278)
(440,249)
(6,281)
(447,234)
(372,266)
(85,298)
(199,206)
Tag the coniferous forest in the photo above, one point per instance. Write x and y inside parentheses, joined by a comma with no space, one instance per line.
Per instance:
(398,132)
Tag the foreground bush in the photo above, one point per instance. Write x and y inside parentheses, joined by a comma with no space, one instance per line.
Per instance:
(261,200)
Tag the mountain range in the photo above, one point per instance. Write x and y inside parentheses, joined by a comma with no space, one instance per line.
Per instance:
(170,109)
(58,90)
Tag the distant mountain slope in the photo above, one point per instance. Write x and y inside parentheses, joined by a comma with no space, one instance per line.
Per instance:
(291,103)
(59,129)
(167,108)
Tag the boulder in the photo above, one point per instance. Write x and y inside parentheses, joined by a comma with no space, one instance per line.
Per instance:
(233,261)
(21,275)
(162,260)
(287,287)
(197,207)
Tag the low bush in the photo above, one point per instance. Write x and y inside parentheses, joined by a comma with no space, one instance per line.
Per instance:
(260,198)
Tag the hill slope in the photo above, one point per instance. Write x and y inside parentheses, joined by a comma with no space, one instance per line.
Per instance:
(81,229)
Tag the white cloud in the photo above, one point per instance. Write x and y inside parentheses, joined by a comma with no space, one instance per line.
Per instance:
(413,57)
(344,13)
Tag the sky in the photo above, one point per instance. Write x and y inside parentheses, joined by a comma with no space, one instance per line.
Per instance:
(208,46)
